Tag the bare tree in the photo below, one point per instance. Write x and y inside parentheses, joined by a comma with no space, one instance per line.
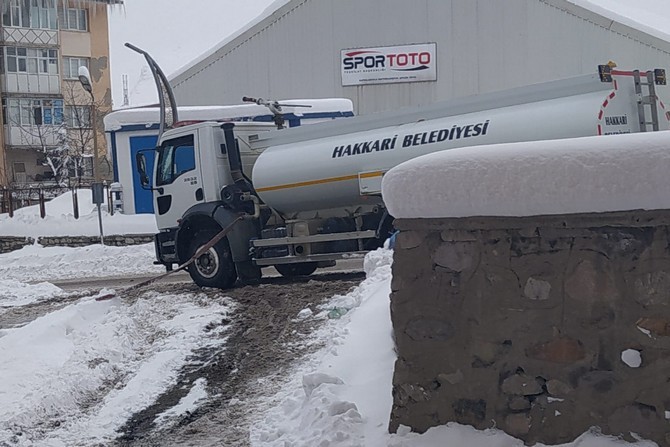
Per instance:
(47,138)
(64,136)
(79,115)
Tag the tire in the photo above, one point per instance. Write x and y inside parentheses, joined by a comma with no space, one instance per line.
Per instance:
(215,267)
(301,269)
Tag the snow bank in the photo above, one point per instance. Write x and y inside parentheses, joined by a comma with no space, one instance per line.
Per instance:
(582,175)
(336,396)
(60,221)
(36,263)
(89,366)
(14,293)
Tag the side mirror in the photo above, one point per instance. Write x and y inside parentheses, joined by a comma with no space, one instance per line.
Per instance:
(141,161)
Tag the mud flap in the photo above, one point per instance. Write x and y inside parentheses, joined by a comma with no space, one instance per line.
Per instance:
(240,236)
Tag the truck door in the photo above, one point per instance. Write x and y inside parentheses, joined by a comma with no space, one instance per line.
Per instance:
(177,180)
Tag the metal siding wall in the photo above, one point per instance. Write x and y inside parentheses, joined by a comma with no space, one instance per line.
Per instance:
(483,45)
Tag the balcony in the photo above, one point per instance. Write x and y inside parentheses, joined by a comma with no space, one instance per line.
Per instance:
(34,36)
(30,83)
(29,137)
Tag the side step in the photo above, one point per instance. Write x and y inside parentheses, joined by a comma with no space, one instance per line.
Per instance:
(310,258)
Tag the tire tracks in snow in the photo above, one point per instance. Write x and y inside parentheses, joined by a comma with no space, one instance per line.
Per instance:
(263,339)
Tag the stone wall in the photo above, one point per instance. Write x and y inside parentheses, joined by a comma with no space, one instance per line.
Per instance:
(82,241)
(12,243)
(542,327)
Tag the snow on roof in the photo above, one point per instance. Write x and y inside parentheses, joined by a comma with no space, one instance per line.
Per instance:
(649,16)
(151,115)
(582,175)
(271,9)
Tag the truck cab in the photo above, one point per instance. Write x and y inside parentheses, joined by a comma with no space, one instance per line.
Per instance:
(192,179)
(186,175)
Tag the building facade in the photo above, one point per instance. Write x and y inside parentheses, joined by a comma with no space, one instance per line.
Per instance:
(47,131)
(301,50)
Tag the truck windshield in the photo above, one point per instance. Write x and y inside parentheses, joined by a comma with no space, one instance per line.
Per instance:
(175,157)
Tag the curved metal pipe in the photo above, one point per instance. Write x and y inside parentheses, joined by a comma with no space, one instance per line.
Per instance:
(162,85)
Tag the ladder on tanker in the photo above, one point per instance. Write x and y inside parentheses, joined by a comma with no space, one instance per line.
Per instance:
(648,80)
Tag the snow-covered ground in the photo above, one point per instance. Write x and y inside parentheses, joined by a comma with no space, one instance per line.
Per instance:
(73,376)
(60,220)
(37,263)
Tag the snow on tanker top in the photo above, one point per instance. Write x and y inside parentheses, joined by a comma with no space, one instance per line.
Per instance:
(580,175)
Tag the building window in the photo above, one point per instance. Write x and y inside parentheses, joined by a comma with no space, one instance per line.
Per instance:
(43,14)
(33,112)
(71,66)
(20,172)
(16,13)
(30,14)
(73,19)
(78,116)
(85,168)
(31,60)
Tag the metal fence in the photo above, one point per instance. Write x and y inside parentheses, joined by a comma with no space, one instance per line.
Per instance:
(14,198)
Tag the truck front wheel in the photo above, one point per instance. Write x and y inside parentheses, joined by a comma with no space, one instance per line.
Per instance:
(215,267)
(300,269)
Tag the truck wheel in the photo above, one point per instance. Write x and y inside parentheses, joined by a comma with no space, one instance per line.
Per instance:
(301,269)
(215,267)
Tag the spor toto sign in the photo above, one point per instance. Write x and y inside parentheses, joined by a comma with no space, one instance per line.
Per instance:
(384,65)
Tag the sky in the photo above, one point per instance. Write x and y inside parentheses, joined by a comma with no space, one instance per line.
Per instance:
(175,32)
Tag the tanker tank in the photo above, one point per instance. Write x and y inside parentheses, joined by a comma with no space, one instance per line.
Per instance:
(338,173)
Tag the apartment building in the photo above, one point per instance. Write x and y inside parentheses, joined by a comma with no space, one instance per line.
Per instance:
(47,131)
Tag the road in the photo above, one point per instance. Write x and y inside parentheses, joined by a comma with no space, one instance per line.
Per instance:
(258,342)
(270,275)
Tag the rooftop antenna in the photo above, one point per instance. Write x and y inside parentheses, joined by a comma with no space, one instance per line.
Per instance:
(126,100)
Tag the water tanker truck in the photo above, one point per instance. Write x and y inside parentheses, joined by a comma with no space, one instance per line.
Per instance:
(234,198)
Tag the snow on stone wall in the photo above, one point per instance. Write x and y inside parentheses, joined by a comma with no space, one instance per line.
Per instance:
(530,288)
(593,174)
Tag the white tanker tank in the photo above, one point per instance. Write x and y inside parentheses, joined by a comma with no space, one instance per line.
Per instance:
(334,168)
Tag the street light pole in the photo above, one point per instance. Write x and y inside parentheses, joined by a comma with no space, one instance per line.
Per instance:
(96,187)
(85,79)
(94,122)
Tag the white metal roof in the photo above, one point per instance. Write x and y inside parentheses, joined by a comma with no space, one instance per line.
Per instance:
(151,115)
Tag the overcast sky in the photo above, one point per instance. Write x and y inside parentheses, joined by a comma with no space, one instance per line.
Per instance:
(175,32)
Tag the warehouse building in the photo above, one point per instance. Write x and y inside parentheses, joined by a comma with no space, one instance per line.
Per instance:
(389,54)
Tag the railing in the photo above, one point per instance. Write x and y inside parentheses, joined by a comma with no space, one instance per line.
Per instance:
(15,197)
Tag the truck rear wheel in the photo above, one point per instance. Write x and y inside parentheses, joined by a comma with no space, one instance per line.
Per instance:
(301,269)
(215,267)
